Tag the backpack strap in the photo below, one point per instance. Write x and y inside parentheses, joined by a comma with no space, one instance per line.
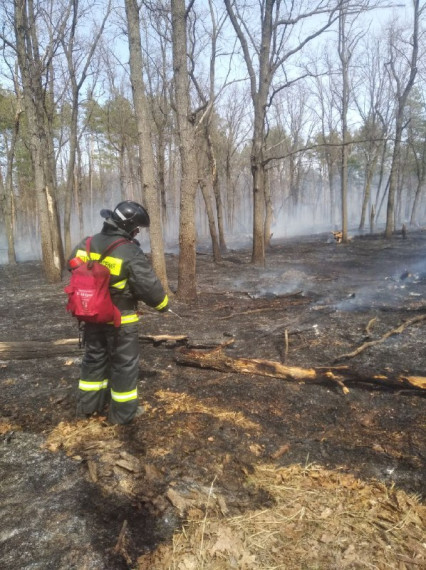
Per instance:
(111,246)
(88,242)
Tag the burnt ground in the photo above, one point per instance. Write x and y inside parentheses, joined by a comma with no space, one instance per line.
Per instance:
(69,487)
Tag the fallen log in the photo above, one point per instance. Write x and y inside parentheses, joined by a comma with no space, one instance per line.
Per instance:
(341,375)
(167,338)
(29,349)
(216,359)
(25,350)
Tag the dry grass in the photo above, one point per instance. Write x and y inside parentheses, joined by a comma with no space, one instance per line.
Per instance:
(7,427)
(81,434)
(180,402)
(322,520)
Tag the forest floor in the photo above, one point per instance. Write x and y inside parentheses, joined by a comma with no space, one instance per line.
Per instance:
(228,469)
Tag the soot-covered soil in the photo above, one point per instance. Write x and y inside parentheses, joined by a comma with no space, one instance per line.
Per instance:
(102,495)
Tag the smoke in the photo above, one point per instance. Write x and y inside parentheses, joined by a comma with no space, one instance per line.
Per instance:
(393,288)
(310,216)
(26,248)
(264,283)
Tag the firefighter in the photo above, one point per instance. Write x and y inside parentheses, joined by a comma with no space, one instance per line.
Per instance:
(110,365)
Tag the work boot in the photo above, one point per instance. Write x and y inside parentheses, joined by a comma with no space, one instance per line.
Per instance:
(140,411)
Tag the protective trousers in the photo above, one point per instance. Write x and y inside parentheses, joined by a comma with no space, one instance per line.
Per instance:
(109,372)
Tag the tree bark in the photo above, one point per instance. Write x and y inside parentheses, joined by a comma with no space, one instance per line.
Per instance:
(402,93)
(371,169)
(31,69)
(6,187)
(268,210)
(6,208)
(344,56)
(146,155)
(270,43)
(212,224)
(216,191)
(72,52)
(187,289)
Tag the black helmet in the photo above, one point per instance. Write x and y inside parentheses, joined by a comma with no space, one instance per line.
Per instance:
(130,215)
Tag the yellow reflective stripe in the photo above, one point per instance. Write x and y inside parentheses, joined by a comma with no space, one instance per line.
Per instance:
(124,396)
(163,303)
(113,263)
(88,386)
(120,284)
(126,319)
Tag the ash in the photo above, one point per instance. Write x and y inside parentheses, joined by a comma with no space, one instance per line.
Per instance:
(105,497)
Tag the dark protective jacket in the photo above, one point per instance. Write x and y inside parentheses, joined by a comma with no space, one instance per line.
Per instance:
(132,278)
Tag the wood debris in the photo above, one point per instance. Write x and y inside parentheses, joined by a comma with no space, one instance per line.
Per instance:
(322,518)
(397,330)
(338,236)
(217,360)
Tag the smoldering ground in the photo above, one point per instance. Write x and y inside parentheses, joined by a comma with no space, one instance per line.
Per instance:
(105,496)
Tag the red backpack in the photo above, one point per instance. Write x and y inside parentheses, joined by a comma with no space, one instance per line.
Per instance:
(89,299)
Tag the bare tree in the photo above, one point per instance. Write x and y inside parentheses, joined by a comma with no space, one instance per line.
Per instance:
(187,139)
(13,108)
(416,143)
(345,53)
(158,70)
(273,45)
(217,24)
(78,62)
(372,102)
(294,122)
(349,36)
(236,131)
(346,46)
(203,180)
(34,68)
(403,74)
(146,155)
(328,138)
(6,206)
